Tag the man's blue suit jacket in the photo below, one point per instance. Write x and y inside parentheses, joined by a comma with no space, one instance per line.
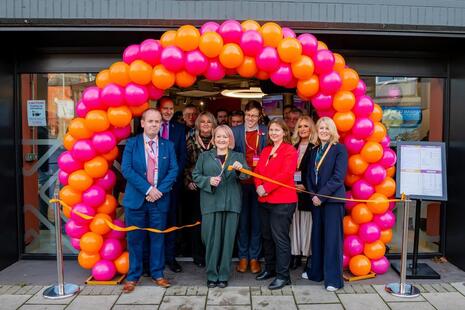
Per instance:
(177,134)
(239,137)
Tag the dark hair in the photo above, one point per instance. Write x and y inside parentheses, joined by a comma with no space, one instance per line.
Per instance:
(253,104)
(163,99)
(296,110)
(281,123)
(222,110)
(190,105)
(237,113)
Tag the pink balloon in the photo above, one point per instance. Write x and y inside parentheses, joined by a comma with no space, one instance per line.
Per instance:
(107,181)
(322,102)
(361,89)
(389,158)
(94,196)
(375,174)
(131,53)
(68,163)
(112,95)
(231,71)
(195,63)
(268,59)
(121,133)
(362,189)
(251,43)
(231,31)
(288,32)
(392,205)
(309,44)
(111,249)
(154,93)
(209,27)
(349,204)
(114,234)
(328,113)
(81,109)
(353,245)
(385,221)
(292,83)
(172,58)
(84,209)
(282,76)
(103,142)
(74,230)
(369,232)
(345,261)
(380,266)
(330,83)
(136,94)
(353,145)
(150,51)
(363,127)
(75,243)
(83,150)
(103,270)
(385,142)
(363,106)
(324,61)
(215,71)
(91,98)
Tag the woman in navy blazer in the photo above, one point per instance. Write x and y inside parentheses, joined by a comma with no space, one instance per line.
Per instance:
(325,176)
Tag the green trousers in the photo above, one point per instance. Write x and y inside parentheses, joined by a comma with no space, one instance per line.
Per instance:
(218,234)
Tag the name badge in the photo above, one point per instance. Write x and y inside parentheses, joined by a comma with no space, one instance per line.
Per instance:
(255,160)
(298,176)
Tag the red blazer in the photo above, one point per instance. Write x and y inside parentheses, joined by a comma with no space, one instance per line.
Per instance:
(280,167)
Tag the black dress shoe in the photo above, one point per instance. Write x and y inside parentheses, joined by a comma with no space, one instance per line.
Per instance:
(174,266)
(278,283)
(265,275)
(222,284)
(211,284)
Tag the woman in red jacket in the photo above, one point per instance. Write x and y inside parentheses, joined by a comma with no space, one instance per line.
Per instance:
(278,161)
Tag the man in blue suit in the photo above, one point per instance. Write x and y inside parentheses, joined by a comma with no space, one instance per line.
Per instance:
(150,168)
(176,133)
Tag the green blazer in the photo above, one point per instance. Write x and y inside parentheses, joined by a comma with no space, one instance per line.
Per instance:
(227,196)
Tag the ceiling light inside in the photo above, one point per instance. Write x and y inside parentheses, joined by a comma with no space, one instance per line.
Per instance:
(252,92)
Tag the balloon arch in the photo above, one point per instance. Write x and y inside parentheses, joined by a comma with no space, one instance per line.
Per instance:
(253,51)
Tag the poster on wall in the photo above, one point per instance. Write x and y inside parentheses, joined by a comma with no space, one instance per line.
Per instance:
(421,170)
(36,113)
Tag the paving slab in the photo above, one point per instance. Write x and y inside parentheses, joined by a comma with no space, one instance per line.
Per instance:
(321,307)
(183,302)
(388,297)
(176,291)
(38,299)
(459,286)
(142,295)
(443,301)
(28,290)
(229,296)
(448,287)
(42,307)
(242,307)
(313,294)
(273,302)
(362,301)
(134,307)
(8,302)
(102,302)
(417,305)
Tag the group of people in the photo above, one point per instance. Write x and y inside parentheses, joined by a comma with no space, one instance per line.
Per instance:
(208,158)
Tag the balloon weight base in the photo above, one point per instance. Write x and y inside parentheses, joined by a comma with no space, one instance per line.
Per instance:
(118,279)
(348,276)
(53,292)
(409,291)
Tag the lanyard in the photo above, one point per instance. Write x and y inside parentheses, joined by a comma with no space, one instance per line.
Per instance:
(222,164)
(199,140)
(256,142)
(318,165)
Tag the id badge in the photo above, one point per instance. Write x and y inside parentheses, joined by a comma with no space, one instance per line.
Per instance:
(255,160)
(298,177)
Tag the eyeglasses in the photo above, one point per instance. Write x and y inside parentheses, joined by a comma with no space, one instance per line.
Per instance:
(252,115)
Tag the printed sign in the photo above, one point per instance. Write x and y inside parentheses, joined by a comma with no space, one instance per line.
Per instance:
(36,113)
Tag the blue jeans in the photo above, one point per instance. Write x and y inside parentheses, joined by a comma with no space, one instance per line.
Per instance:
(249,240)
(148,215)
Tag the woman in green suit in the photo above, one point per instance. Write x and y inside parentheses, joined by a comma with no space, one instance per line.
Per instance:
(220,203)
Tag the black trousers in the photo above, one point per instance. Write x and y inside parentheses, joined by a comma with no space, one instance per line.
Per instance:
(276,220)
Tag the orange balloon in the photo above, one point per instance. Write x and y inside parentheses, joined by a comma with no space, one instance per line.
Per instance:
(350,227)
(110,156)
(350,179)
(386,236)
(187,38)
(339,63)
(119,116)
(77,128)
(91,242)
(360,265)
(343,101)
(103,78)
(289,49)
(210,44)
(69,195)
(377,114)
(387,187)
(99,224)
(357,165)
(108,206)
(349,78)
(122,263)
(80,180)
(374,250)
(140,72)
(248,68)
(379,132)
(88,260)
(391,172)
(380,206)
(231,56)
(272,34)
(262,75)
(67,212)
(303,67)
(138,110)
(344,120)
(250,25)
(168,38)
(185,79)
(68,141)
(372,151)
(309,87)
(162,78)
(97,167)
(322,46)
(97,120)
(119,73)
(361,214)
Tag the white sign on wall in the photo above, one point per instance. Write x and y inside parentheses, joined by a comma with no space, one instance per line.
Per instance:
(36,115)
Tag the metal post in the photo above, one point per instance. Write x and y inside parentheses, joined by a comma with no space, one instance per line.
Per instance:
(403,289)
(60,290)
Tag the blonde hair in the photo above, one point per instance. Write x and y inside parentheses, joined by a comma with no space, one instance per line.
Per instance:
(228,132)
(210,117)
(313,133)
(332,130)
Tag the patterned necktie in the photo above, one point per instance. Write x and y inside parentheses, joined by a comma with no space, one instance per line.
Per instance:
(164,133)
(151,165)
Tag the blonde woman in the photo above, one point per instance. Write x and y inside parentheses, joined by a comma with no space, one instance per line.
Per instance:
(304,139)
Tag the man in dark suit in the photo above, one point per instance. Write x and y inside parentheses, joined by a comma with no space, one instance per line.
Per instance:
(150,169)
(176,133)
